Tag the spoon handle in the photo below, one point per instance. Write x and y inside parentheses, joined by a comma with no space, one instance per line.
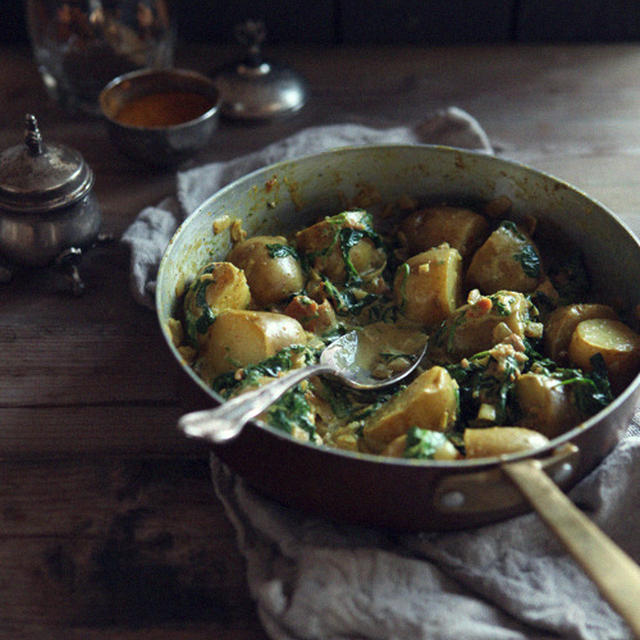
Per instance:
(225,422)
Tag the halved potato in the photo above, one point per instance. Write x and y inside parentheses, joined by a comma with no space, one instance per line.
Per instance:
(429,402)
(239,338)
(216,287)
(462,228)
(396,449)
(618,344)
(546,404)
(509,259)
(496,441)
(562,322)
(480,325)
(427,287)
(273,272)
(333,248)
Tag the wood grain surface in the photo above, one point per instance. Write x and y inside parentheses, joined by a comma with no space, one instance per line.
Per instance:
(109,527)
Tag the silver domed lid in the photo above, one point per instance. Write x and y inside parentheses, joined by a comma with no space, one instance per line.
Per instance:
(36,177)
(254,88)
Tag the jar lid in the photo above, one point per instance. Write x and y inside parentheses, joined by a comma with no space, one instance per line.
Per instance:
(36,177)
(255,89)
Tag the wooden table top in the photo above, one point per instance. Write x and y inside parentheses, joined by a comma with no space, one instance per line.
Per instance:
(109,527)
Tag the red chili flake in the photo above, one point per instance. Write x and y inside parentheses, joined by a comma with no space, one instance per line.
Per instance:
(269,184)
(480,308)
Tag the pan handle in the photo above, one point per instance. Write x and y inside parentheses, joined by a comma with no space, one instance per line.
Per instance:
(615,574)
(487,495)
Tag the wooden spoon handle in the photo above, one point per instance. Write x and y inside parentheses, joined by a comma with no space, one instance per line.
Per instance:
(615,574)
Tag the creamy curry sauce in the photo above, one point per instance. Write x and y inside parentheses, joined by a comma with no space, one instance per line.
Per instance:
(518,350)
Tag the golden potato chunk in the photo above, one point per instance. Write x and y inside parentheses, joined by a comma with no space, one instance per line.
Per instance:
(427,287)
(429,402)
(507,260)
(271,267)
(496,441)
(239,338)
(462,228)
(216,287)
(480,325)
(343,247)
(618,344)
(546,403)
(562,322)
(445,450)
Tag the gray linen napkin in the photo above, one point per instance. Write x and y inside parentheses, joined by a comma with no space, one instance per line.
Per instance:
(316,580)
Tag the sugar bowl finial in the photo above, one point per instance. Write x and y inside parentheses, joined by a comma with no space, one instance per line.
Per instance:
(251,34)
(32,136)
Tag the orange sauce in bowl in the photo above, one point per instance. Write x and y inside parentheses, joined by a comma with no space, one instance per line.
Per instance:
(163,109)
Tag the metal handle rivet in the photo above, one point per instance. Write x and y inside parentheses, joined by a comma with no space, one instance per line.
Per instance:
(563,472)
(453,500)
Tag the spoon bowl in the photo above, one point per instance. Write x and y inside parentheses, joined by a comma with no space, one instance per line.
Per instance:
(340,360)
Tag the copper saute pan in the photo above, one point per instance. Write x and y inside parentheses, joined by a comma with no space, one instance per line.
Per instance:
(402,494)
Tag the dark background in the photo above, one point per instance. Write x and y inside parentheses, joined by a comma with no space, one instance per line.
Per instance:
(331,22)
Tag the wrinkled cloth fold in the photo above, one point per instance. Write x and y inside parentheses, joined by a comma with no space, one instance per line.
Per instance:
(313,579)
(317,580)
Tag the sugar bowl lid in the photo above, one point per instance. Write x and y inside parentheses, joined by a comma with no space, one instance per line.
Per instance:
(36,177)
(255,88)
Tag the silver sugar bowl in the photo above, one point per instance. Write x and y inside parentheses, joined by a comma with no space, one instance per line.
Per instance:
(48,211)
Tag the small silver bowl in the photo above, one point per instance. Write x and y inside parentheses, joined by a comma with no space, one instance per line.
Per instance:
(160,116)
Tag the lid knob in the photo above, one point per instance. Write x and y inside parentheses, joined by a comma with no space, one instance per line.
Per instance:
(32,137)
(251,34)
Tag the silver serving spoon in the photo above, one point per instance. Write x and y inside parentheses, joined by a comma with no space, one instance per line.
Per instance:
(339,360)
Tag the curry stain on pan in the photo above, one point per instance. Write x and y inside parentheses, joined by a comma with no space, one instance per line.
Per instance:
(295,193)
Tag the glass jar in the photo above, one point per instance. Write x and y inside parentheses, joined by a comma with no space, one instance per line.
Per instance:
(80,45)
